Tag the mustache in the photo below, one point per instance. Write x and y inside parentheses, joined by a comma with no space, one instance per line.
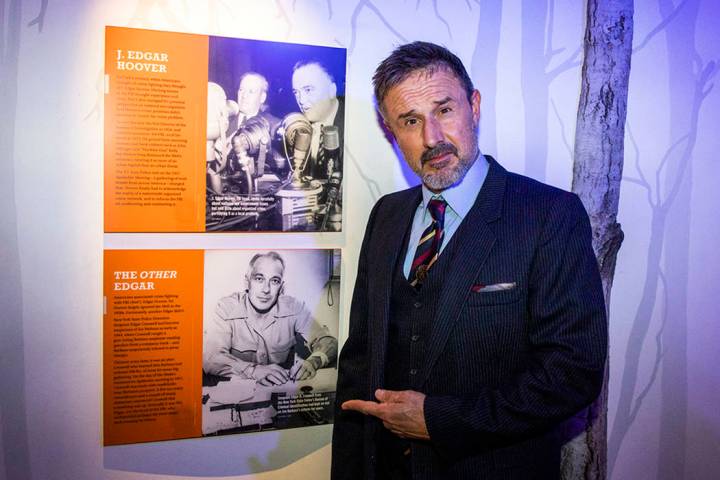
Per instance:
(436,151)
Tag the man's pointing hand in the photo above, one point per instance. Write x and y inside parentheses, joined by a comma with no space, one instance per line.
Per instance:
(401,412)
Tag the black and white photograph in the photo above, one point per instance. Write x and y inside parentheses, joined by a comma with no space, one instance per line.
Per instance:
(270,339)
(274,155)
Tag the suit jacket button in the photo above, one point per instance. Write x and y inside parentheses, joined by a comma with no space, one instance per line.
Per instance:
(417,305)
(415,338)
(413,371)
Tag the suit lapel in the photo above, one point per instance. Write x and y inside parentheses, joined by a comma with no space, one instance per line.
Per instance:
(474,240)
(391,231)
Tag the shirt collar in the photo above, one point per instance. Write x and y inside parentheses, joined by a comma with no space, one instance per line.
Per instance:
(330,117)
(285,306)
(461,196)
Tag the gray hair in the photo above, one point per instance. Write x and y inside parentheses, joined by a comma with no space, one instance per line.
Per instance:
(271,254)
(312,61)
(265,83)
(417,56)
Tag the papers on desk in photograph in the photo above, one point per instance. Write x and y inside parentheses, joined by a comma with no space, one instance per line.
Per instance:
(243,404)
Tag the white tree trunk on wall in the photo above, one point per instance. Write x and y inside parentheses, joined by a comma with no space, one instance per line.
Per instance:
(597,171)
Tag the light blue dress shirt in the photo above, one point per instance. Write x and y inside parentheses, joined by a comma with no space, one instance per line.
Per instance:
(459,197)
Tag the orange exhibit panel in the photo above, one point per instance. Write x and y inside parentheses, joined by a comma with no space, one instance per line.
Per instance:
(152,345)
(155,111)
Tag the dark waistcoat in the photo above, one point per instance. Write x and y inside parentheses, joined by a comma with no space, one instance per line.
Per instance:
(411,315)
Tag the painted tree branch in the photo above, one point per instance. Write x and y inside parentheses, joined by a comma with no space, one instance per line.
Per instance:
(660,27)
(282,14)
(441,18)
(597,172)
(570,62)
(561,124)
(353,22)
(144,8)
(372,185)
(642,181)
(538,52)
(40,19)
(550,52)
(436,10)
(659,354)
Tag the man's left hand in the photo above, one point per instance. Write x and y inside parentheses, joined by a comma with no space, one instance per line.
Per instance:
(401,412)
(305,369)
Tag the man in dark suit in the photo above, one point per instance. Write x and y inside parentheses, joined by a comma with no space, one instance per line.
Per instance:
(315,92)
(477,323)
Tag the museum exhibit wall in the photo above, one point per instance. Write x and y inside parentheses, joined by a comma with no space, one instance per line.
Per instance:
(523,56)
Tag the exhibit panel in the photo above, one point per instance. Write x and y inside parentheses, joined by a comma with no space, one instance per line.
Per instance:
(154,111)
(269,158)
(151,355)
(215,342)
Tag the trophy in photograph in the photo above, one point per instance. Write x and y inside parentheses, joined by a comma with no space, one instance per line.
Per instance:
(299,198)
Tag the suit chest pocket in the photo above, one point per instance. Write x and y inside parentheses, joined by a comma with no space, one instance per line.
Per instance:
(496,310)
(479,299)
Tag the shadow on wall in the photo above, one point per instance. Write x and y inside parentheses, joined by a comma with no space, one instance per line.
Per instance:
(241,454)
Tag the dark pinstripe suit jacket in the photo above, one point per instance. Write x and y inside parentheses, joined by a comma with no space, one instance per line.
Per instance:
(503,368)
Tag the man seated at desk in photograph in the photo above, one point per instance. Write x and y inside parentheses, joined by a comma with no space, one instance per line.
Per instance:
(264,335)
(315,91)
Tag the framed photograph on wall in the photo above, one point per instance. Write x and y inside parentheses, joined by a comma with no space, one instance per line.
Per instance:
(206,133)
(270,329)
(212,342)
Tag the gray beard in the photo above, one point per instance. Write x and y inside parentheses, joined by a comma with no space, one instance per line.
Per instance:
(442,180)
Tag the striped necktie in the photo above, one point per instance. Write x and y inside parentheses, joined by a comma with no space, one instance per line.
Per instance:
(428,247)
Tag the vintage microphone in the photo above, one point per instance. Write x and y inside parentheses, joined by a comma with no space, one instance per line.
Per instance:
(331,145)
(301,146)
(250,141)
(297,133)
(333,192)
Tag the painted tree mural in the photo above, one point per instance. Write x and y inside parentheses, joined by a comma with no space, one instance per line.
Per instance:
(537,51)
(669,201)
(597,171)
(484,54)
(12,358)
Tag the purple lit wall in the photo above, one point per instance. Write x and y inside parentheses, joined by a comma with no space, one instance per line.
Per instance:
(524,56)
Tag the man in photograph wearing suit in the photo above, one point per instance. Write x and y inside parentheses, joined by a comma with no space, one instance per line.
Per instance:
(315,92)
(251,132)
(477,323)
(252,98)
